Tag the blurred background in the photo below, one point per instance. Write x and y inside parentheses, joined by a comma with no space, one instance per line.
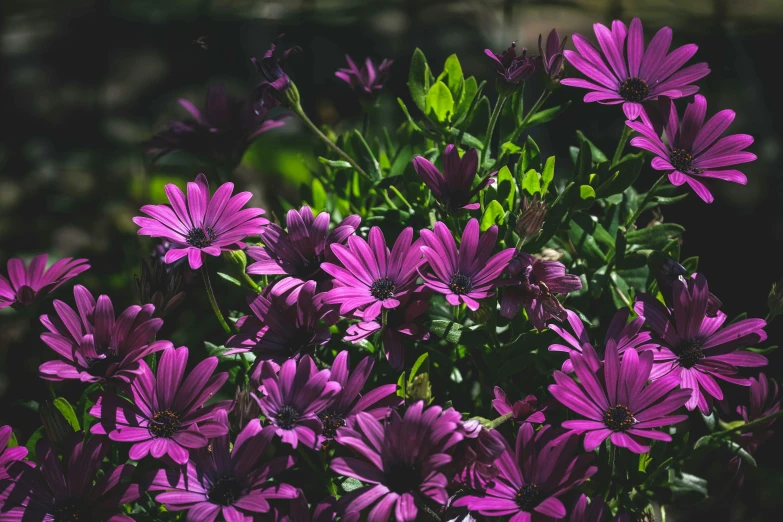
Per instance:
(83,83)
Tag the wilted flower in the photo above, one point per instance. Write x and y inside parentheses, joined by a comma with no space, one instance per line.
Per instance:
(159,285)
(454,187)
(526,410)
(531,219)
(643,75)
(552,55)
(35,281)
(368,80)
(512,69)
(276,87)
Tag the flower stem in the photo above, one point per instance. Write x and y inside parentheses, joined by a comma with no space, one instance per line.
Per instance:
(252,284)
(212,300)
(500,420)
(532,112)
(618,153)
(750,425)
(647,198)
(493,120)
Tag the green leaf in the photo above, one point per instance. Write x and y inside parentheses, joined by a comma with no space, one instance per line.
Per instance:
(467,139)
(229,279)
(687,487)
(439,102)
(32,441)
(408,115)
(531,183)
(469,90)
(586,197)
(621,176)
(423,358)
(511,148)
(366,158)
(449,330)
(656,236)
(319,195)
(214,350)
(67,410)
(419,79)
(584,163)
(548,174)
(402,160)
(585,244)
(506,188)
(531,156)
(452,73)
(493,215)
(350,484)
(336,164)
(598,155)
(547,115)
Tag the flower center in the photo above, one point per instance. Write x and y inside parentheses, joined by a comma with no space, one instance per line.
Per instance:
(287,417)
(331,421)
(634,89)
(201,237)
(402,477)
(460,283)
(690,354)
(619,418)
(527,497)
(70,511)
(383,288)
(681,159)
(164,424)
(224,491)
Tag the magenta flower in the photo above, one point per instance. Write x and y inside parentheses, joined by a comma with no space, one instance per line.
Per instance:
(596,511)
(94,346)
(526,410)
(643,75)
(36,281)
(64,490)
(618,402)
(276,332)
(621,334)
(454,187)
(9,455)
(475,461)
(542,468)
(467,274)
(666,271)
(368,80)
(276,81)
(403,325)
(552,55)
(535,284)
(371,278)
(299,253)
(401,459)
(165,414)
(693,149)
(294,397)
(694,349)
(297,511)
(225,481)
(200,224)
(512,69)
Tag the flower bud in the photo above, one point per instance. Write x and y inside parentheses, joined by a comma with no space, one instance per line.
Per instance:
(245,409)
(531,219)
(56,426)
(419,389)
(236,260)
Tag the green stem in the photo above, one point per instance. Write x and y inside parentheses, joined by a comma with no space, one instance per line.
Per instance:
(212,300)
(51,391)
(493,120)
(618,153)
(750,425)
(532,112)
(402,198)
(388,200)
(500,420)
(252,284)
(647,198)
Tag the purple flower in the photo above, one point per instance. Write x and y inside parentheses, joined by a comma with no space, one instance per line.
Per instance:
(35,281)
(526,410)
(277,332)
(165,414)
(9,455)
(221,133)
(621,334)
(453,188)
(65,490)
(200,224)
(368,80)
(694,349)
(299,512)
(298,253)
(402,459)
(349,400)
(512,69)
(475,462)
(95,346)
(403,325)
(531,478)
(466,274)
(617,401)
(294,397)
(552,55)
(596,511)
(276,82)
(225,480)
(693,148)
(644,75)
(371,278)
(535,284)
(666,271)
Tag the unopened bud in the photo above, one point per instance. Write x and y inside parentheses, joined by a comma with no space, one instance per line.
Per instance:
(531,219)
(236,260)
(245,409)
(291,94)
(775,299)
(56,426)
(482,315)
(419,389)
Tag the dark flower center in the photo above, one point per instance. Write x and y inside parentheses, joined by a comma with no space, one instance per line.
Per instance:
(383,288)
(201,237)
(461,283)
(287,417)
(224,491)
(70,511)
(164,424)
(634,89)
(619,418)
(681,159)
(402,477)
(100,365)
(331,421)
(527,497)
(690,354)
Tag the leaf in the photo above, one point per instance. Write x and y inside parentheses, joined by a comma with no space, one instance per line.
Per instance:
(366,158)
(621,176)
(439,102)
(408,115)
(467,139)
(548,174)
(598,155)
(531,156)
(214,350)
(493,215)
(319,195)
(585,244)
(506,188)
(469,90)
(402,160)
(449,330)
(531,182)
(584,162)
(586,197)
(547,115)
(32,441)
(419,79)
(423,358)
(656,236)
(229,279)
(67,410)
(686,486)
(511,148)
(452,72)
(350,484)
(465,117)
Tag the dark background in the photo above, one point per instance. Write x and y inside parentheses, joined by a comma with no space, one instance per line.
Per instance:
(84,82)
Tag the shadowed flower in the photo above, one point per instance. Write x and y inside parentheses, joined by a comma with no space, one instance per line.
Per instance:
(474,461)
(165,414)
(200,224)
(160,285)
(371,278)
(221,133)
(534,285)
(64,490)
(530,479)
(666,271)
(274,88)
(232,481)
(276,332)
(552,55)
(454,187)
(36,281)
(299,252)
(9,455)
(621,334)
(402,459)
(95,346)
(643,75)
(618,402)
(512,69)
(297,511)
(596,511)
(694,148)
(467,274)
(526,410)
(293,398)
(368,80)
(694,349)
